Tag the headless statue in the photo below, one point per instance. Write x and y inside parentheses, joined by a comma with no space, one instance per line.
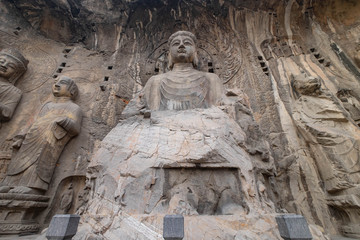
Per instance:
(32,167)
(12,66)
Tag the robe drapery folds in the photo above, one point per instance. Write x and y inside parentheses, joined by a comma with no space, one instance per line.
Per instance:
(43,145)
(182,90)
(9,98)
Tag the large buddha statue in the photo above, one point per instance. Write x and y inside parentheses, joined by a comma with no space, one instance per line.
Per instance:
(39,148)
(12,66)
(183,87)
(185,155)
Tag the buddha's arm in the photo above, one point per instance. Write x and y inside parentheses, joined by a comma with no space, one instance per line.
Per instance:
(216,90)
(149,98)
(7,108)
(72,121)
(133,107)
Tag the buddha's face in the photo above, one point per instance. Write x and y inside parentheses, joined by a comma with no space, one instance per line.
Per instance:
(61,88)
(182,49)
(307,85)
(8,66)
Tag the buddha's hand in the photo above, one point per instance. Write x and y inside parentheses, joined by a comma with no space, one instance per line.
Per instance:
(63,122)
(18,139)
(5,112)
(68,125)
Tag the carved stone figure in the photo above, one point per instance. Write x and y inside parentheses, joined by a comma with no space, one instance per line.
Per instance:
(286,49)
(335,143)
(191,155)
(351,104)
(67,199)
(31,169)
(325,125)
(12,66)
(276,49)
(266,51)
(183,87)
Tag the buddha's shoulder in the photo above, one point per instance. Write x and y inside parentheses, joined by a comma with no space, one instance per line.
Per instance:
(211,76)
(157,78)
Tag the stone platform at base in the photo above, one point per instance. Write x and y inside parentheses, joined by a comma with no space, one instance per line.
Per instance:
(18,212)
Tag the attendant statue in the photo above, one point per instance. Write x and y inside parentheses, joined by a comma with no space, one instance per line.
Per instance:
(183,87)
(325,125)
(32,167)
(12,66)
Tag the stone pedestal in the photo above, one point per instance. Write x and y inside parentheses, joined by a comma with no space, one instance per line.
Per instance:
(18,212)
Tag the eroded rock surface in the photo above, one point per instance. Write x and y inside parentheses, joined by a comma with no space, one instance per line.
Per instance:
(112,48)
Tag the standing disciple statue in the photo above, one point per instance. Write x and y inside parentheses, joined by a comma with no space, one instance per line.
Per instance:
(12,66)
(32,167)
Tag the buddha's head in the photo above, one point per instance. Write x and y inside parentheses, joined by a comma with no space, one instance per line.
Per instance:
(306,85)
(182,48)
(65,87)
(12,64)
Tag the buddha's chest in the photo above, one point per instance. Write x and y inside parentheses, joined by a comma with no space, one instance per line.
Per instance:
(181,92)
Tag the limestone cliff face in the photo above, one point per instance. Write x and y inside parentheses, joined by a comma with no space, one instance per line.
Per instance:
(111,48)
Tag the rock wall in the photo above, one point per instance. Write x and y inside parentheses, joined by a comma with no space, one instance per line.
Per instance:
(111,48)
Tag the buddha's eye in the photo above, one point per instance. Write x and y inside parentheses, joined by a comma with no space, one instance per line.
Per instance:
(188,42)
(11,65)
(175,43)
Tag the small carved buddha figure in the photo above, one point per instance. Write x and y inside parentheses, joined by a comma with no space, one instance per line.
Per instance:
(183,87)
(39,148)
(12,66)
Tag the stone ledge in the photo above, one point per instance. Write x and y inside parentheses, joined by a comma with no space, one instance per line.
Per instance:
(16,227)
(22,204)
(24,197)
(346,201)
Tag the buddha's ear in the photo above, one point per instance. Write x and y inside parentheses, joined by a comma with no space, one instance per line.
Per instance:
(170,63)
(195,61)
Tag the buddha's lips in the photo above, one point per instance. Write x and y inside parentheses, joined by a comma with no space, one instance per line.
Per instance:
(2,68)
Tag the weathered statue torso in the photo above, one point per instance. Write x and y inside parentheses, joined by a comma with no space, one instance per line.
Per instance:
(12,66)
(334,139)
(182,88)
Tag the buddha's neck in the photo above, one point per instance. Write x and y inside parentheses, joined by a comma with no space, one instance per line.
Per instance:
(4,80)
(62,99)
(183,67)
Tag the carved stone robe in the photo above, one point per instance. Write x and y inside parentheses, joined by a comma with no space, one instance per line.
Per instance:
(9,97)
(182,89)
(335,140)
(34,163)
